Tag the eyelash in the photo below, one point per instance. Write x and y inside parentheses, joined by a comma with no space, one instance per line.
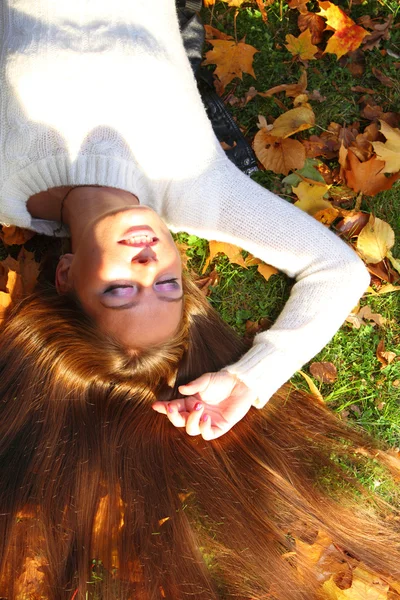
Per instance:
(174,280)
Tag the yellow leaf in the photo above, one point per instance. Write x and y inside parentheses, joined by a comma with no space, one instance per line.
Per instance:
(389,151)
(232,59)
(313,388)
(278,155)
(311,197)
(302,45)
(293,121)
(365,586)
(348,36)
(395,261)
(385,289)
(263,268)
(375,240)
(234,253)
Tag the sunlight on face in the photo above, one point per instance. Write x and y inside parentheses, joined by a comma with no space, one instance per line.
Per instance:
(127,274)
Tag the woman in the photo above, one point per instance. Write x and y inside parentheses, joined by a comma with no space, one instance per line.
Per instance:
(103,130)
(103,499)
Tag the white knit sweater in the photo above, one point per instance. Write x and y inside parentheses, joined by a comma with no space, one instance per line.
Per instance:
(101,92)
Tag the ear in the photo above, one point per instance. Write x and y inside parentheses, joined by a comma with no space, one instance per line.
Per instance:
(63,279)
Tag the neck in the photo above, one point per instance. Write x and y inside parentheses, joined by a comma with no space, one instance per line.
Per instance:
(79,205)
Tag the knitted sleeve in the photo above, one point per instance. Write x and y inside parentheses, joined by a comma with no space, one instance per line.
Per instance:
(226,205)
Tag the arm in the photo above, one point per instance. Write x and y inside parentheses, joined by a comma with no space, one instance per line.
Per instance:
(226,205)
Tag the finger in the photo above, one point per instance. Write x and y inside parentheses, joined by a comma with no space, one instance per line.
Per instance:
(209,431)
(195,386)
(193,420)
(178,419)
(165,407)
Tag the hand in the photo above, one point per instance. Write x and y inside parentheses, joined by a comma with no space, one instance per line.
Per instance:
(214,403)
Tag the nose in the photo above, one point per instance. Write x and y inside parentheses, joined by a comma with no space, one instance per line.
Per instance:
(145,256)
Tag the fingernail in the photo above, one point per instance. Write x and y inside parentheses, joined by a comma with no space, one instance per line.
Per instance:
(170,408)
(204,418)
(198,406)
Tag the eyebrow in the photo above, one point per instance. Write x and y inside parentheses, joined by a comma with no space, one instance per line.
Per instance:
(136,302)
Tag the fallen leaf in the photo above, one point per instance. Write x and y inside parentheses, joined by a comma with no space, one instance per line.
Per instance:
(394,261)
(278,155)
(293,121)
(213,33)
(384,79)
(385,289)
(232,59)
(365,586)
(359,318)
(375,240)
(312,387)
(389,151)
(205,283)
(234,253)
(352,225)
(381,31)
(263,268)
(15,235)
(311,197)
(301,46)
(314,23)
(18,278)
(385,357)
(368,177)
(347,37)
(321,558)
(327,216)
(325,372)
(301,5)
(290,89)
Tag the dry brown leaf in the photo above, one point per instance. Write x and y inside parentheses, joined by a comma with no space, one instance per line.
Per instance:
(385,357)
(213,33)
(291,89)
(384,79)
(367,177)
(293,121)
(15,235)
(375,240)
(351,225)
(278,155)
(302,45)
(232,59)
(314,23)
(357,318)
(389,151)
(301,5)
(325,372)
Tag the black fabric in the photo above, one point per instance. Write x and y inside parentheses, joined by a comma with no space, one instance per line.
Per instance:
(225,128)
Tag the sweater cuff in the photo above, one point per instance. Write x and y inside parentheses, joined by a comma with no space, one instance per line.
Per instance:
(264,370)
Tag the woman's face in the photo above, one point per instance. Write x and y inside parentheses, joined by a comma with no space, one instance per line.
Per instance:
(126,271)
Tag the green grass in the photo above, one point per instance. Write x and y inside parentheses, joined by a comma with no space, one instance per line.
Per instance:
(363,392)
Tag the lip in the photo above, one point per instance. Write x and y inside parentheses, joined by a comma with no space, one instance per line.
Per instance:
(138,231)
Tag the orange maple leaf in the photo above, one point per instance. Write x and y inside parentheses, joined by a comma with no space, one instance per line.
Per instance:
(277,154)
(348,36)
(302,45)
(232,59)
(367,177)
